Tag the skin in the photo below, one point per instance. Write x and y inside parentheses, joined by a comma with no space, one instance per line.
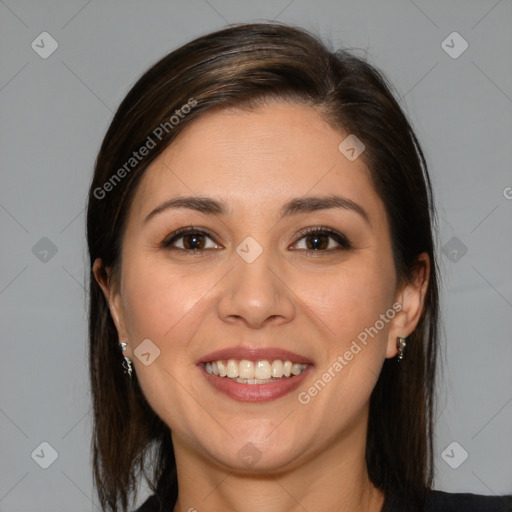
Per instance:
(189,305)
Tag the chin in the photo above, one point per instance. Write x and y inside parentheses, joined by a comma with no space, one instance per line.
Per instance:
(251,454)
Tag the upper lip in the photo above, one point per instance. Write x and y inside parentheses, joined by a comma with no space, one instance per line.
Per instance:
(254,354)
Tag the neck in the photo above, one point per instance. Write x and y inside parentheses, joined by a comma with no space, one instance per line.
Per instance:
(334,480)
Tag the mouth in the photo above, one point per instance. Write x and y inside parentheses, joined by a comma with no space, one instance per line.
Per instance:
(256,375)
(254,372)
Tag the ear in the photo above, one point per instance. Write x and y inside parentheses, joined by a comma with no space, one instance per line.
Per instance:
(103,276)
(411,297)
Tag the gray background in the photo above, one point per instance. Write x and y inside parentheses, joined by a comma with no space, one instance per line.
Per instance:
(55,112)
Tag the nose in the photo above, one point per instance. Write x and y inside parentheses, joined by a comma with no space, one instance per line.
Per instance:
(256,294)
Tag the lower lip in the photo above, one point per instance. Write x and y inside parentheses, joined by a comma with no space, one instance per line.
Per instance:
(255,392)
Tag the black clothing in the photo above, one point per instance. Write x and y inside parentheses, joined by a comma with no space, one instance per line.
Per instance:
(437,501)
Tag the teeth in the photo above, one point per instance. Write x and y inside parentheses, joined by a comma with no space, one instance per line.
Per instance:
(257,372)
(246,369)
(254,381)
(277,369)
(296,369)
(262,370)
(232,369)
(222,369)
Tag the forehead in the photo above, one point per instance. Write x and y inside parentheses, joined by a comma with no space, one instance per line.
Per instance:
(256,160)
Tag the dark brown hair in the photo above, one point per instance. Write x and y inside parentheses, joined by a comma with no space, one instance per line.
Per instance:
(241,66)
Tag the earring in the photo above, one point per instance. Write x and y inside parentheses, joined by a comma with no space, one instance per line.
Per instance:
(127,364)
(400,345)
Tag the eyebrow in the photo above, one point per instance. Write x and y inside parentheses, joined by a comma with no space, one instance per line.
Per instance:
(298,205)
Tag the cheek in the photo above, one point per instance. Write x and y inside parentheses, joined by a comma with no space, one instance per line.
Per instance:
(165,306)
(349,300)
(353,339)
(158,299)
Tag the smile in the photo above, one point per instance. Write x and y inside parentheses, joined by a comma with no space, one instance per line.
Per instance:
(263,371)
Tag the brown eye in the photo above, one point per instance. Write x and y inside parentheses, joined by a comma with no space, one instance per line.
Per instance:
(323,240)
(317,241)
(193,241)
(189,239)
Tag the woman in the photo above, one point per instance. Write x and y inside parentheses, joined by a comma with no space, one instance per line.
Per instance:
(264,289)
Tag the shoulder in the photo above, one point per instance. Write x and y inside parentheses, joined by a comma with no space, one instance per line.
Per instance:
(152,504)
(163,500)
(440,501)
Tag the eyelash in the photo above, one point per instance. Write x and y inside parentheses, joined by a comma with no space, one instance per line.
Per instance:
(339,238)
(342,240)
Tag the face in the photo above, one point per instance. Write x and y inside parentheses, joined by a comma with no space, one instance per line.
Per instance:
(260,274)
